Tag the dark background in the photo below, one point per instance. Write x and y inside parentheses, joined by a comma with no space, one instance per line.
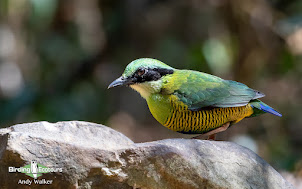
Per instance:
(58,57)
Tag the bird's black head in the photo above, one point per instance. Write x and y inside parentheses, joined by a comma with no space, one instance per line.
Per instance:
(142,70)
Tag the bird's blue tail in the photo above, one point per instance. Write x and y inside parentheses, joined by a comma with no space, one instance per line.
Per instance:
(260,107)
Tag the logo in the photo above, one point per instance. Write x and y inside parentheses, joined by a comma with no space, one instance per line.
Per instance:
(34,170)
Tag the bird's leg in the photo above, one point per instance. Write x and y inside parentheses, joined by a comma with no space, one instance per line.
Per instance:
(212,134)
(212,137)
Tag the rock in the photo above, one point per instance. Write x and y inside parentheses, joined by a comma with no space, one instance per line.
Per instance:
(294,179)
(95,156)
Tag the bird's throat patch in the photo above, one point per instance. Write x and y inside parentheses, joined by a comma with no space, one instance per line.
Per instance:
(147,88)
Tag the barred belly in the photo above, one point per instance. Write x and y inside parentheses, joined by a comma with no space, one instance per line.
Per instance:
(198,122)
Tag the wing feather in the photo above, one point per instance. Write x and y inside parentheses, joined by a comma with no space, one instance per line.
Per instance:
(200,90)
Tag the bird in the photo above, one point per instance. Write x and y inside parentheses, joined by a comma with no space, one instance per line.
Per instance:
(191,102)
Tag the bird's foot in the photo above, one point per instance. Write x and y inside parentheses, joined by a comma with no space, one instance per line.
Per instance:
(212,134)
(212,137)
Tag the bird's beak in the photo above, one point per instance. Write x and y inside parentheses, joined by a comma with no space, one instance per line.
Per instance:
(118,82)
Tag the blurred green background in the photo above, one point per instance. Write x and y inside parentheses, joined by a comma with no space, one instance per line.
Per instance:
(58,57)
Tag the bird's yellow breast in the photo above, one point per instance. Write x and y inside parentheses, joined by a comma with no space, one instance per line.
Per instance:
(183,120)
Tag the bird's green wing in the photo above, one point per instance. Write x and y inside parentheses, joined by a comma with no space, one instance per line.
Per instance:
(199,90)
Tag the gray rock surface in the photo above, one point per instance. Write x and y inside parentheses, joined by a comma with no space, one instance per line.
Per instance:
(95,156)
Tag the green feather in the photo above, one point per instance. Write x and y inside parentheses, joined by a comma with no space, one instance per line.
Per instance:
(199,90)
(144,63)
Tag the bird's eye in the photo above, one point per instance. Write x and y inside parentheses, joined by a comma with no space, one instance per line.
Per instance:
(141,72)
